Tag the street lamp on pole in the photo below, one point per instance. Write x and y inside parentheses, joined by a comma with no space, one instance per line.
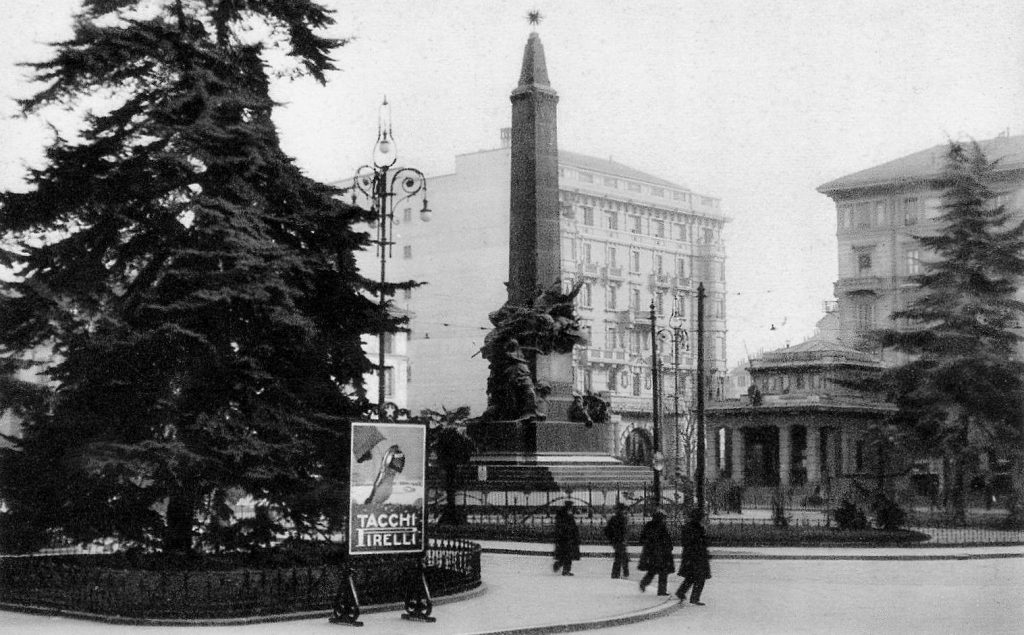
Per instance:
(385,187)
(679,338)
(659,462)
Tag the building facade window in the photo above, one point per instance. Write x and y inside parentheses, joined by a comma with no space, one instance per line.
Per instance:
(636,384)
(863,263)
(634,224)
(613,298)
(659,303)
(913,262)
(659,228)
(634,299)
(634,261)
(681,268)
(389,382)
(881,219)
(863,215)
(585,295)
(587,255)
(586,177)
(679,305)
(588,216)
(612,257)
(864,316)
(909,210)
(407,252)
(612,220)
(612,386)
(634,187)
(845,216)
(658,191)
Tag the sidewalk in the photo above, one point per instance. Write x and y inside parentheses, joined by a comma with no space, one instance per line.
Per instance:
(766,590)
(520,595)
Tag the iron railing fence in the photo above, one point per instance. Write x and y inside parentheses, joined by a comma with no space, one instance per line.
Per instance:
(595,504)
(94,581)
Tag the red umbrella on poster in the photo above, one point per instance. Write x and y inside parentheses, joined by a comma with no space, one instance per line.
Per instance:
(387,488)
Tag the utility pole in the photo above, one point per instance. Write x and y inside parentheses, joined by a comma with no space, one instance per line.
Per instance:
(699,471)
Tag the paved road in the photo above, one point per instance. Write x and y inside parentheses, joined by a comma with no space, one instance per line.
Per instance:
(878,597)
(745,596)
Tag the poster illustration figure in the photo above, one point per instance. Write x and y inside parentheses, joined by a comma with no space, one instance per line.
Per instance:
(387,488)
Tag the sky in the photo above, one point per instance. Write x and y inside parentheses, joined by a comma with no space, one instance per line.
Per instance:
(754,102)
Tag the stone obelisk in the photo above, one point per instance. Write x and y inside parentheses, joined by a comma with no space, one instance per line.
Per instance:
(535,260)
(534,245)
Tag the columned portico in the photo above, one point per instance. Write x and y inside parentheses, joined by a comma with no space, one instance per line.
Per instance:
(832,453)
(738,455)
(813,454)
(785,454)
(711,467)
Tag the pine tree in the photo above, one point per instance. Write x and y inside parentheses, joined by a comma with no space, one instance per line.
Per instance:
(963,384)
(199,293)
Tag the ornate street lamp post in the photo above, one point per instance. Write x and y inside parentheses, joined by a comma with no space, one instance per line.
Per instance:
(678,337)
(385,187)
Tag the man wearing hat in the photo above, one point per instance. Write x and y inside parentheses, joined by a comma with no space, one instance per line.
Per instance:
(615,531)
(656,553)
(695,563)
(567,540)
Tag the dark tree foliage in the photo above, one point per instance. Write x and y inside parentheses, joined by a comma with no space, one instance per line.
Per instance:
(962,386)
(198,292)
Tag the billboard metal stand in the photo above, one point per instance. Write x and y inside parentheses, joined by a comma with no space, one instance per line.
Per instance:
(346,601)
(418,604)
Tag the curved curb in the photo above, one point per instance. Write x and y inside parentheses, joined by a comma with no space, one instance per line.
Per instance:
(771,556)
(661,610)
(468,594)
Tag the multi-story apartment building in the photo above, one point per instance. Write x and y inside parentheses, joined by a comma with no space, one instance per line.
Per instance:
(881,212)
(631,238)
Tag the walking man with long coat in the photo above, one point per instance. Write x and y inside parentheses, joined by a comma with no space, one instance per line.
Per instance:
(695,563)
(567,540)
(656,553)
(615,531)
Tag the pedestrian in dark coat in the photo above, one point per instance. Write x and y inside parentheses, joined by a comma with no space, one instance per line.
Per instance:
(695,563)
(656,553)
(615,531)
(567,539)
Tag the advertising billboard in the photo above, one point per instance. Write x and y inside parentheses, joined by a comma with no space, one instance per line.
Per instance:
(387,488)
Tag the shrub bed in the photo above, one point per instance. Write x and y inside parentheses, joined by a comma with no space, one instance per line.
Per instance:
(721,535)
(288,580)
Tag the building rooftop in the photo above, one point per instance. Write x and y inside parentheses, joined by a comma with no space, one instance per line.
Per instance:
(816,351)
(612,168)
(928,165)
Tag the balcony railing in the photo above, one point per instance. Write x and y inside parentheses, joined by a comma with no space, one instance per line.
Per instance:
(862,283)
(614,272)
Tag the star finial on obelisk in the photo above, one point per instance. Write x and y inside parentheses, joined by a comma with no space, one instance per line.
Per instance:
(534,18)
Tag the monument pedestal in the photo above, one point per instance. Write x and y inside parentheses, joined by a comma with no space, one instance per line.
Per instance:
(551,437)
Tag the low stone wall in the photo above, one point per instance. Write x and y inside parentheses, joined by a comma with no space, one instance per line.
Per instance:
(90,584)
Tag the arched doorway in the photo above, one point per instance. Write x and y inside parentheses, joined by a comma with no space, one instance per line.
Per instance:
(638,448)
